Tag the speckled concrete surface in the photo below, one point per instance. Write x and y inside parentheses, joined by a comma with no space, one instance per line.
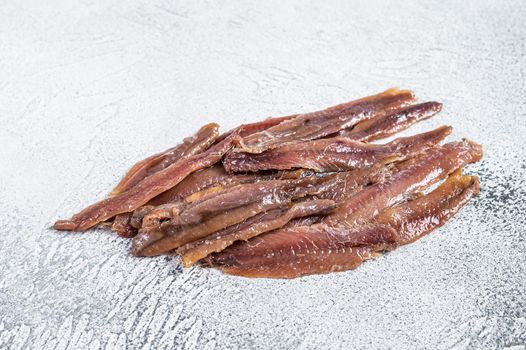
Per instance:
(88,88)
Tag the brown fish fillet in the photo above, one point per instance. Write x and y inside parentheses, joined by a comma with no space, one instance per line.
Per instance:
(392,122)
(237,196)
(438,206)
(335,187)
(304,221)
(196,186)
(216,176)
(190,222)
(166,237)
(145,190)
(333,154)
(251,128)
(411,176)
(294,252)
(190,146)
(200,180)
(265,222)
(344,185)
(311,126)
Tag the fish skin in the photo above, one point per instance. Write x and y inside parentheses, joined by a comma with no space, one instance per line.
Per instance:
(237,196)
(252,128)
(166,237)
(122,225)
(197,187)
(200,180)
(300,251)
(194,221)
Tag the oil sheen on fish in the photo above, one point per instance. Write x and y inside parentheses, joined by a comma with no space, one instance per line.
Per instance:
(146,189)
(391,122)
(311,126)
(188,223)
(190,146)
(268,221)
(333,154)
(298,251)
(411,176)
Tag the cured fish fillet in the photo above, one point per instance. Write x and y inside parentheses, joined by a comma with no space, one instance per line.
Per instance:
(146,189)
(251,128)
(410,177)
(298,251)
(439,206)
(311,126)
(196,186)
(294,195)
(264,222)
(190,146)
(216,176)
(333,154)
(179,223)
(392,122)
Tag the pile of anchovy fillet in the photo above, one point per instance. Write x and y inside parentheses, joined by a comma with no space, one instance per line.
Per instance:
(295,195)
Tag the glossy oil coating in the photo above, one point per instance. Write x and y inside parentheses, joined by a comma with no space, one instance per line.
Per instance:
(392,122)
(333,154)
(219,210)
(197,186)
(320,248)
(410,176)
(207,135)
(315,125)
(271,220)
(438,206)
(145,190)
(304,250)
(295,195)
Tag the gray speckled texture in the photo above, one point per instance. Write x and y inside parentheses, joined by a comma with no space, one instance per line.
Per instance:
(87,88)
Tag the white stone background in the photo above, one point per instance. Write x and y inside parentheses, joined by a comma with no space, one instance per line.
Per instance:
(89,87)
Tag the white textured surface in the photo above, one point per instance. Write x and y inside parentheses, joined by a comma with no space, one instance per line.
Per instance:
(87,88)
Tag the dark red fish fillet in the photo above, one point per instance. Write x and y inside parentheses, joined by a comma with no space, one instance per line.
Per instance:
(343,185)
(299,251)
(156,240)
(304,221)
(216,176)
(190,146)
(196,186)
(294,252)
(333,154)
(265,222)
(335,187)
(311,126)
(251,128)
(243,194)
(411,176)
(145,190)
(200,180)
(438,207)
(392,122)
(197,220)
